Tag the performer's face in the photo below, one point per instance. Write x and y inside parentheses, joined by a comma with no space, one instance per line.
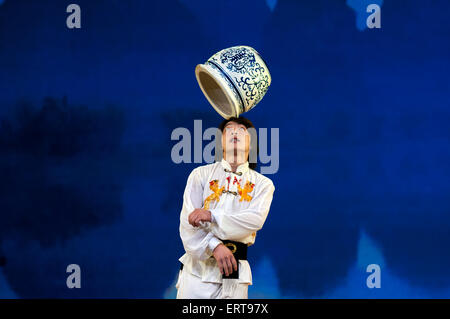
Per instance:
(235,139)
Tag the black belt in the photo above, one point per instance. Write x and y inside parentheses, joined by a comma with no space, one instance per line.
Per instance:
(239,251)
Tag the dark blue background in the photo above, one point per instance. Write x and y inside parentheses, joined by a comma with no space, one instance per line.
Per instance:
(86,118)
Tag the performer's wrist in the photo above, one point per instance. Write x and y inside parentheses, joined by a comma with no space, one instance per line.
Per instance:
(217,247)
(213,243)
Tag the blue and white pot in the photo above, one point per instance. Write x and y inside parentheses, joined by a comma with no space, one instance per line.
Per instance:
(234,80)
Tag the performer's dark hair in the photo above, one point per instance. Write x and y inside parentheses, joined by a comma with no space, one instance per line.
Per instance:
(247,123)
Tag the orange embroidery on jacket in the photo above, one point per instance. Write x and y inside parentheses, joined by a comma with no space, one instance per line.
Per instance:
(248,188)
(215,196)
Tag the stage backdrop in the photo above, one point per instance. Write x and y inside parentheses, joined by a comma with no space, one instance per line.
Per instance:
(361,207)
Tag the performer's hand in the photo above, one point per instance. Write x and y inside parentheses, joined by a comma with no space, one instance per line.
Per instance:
(225,259)
(199,215)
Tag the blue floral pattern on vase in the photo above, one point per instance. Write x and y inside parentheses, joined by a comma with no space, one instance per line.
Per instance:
(244,74)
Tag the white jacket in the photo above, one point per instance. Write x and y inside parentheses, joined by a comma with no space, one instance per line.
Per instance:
(234,217)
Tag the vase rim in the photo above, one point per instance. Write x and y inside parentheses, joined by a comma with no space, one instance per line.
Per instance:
(207,69)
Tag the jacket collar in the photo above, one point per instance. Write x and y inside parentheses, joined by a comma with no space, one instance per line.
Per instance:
(243,168)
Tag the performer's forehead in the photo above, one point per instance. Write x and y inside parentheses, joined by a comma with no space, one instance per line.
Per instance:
(235,123)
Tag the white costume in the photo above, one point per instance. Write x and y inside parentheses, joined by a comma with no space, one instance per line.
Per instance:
(238,214)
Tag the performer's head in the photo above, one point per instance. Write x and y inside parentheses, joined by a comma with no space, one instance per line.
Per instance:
(237,140)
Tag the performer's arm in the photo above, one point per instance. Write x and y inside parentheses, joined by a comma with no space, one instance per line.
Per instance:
(235,225)
(197,241)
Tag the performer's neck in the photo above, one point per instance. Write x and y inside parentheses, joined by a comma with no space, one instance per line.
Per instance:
(235,160)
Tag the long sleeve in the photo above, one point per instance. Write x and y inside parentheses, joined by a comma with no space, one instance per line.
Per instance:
(235,225)
(197,241)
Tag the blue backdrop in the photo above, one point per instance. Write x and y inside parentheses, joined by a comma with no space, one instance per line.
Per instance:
(86,117)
